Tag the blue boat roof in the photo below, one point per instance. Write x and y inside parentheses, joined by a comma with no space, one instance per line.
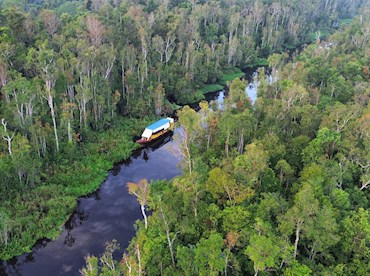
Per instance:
(157,124)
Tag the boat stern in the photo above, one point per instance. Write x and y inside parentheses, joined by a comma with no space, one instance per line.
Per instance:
(142,141)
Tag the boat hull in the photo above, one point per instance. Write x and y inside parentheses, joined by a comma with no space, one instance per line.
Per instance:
(143,141)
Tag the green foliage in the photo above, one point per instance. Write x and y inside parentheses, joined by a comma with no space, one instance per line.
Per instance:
(250,165)
(230,75)
(185,257)
(295,163)
(208,257)
(260,62)
(69,7)
(263,252)
(294,200)
(44,208)
(324,144)
(235,218)
(297,269)
(211,88)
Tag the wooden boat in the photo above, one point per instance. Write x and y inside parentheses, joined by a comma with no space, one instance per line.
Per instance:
(156,130)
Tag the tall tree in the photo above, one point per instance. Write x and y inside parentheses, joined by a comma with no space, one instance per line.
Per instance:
(141,191)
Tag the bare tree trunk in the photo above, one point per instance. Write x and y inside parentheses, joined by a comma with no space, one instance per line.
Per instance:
(7,137)
(51,105)
(138,258)
(69,132)
(43,146)
(129,267)
(84,102)
(241,142)
(95,104)
(365,185)
(297,232)
(170,242)
(189,156)
(82,110)
(168,50)
(227,144)
(312,253)
(19,108)
(71,93)
(226,261)
(144,215)
(9,140)
(123,77)
(208,140)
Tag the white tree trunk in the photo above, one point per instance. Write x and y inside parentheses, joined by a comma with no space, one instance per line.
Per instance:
(170,242)
(69,132)
(226,261)
(7,137)
(138,258)
(51,105)
(144,215)
(297,232)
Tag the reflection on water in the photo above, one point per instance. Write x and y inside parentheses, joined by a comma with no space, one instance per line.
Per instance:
(109,213)
(251,89)
(218,97)
(145,155)
(77,218)
(69,240)
(156,144)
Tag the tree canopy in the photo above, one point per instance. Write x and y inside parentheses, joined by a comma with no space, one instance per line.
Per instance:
(275,187)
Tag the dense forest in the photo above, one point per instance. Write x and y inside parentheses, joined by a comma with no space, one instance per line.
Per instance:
(278,187)
(275,187)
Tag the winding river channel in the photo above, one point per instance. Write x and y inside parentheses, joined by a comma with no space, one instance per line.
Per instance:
(109,213)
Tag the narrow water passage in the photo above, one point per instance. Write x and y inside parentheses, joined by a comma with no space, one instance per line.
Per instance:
(251,89)
(110,213)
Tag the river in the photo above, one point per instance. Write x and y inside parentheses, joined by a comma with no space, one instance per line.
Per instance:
(109,213)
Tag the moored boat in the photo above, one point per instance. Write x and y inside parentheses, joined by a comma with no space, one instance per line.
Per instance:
(156,130)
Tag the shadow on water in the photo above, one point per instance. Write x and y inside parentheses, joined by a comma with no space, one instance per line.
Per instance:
(143,152)
(109,213)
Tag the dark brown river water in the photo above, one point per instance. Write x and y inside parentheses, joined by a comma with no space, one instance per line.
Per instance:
(109,213)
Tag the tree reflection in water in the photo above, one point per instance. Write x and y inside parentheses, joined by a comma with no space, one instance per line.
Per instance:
(78,217)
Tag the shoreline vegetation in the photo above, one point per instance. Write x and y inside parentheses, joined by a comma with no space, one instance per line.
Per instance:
(76,178)
(79,177)
(280,188)
(83,173)
(69,181)
(80,172)
(227,75)
(79,79)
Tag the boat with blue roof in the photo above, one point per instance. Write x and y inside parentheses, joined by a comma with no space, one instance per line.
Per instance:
(156,130)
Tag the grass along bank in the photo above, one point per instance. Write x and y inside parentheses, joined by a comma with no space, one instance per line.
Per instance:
(226,76)
(41,211)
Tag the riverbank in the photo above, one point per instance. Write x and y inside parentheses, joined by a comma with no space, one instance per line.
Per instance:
(40,212)
(79,171)
(227,75)
(109,213)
